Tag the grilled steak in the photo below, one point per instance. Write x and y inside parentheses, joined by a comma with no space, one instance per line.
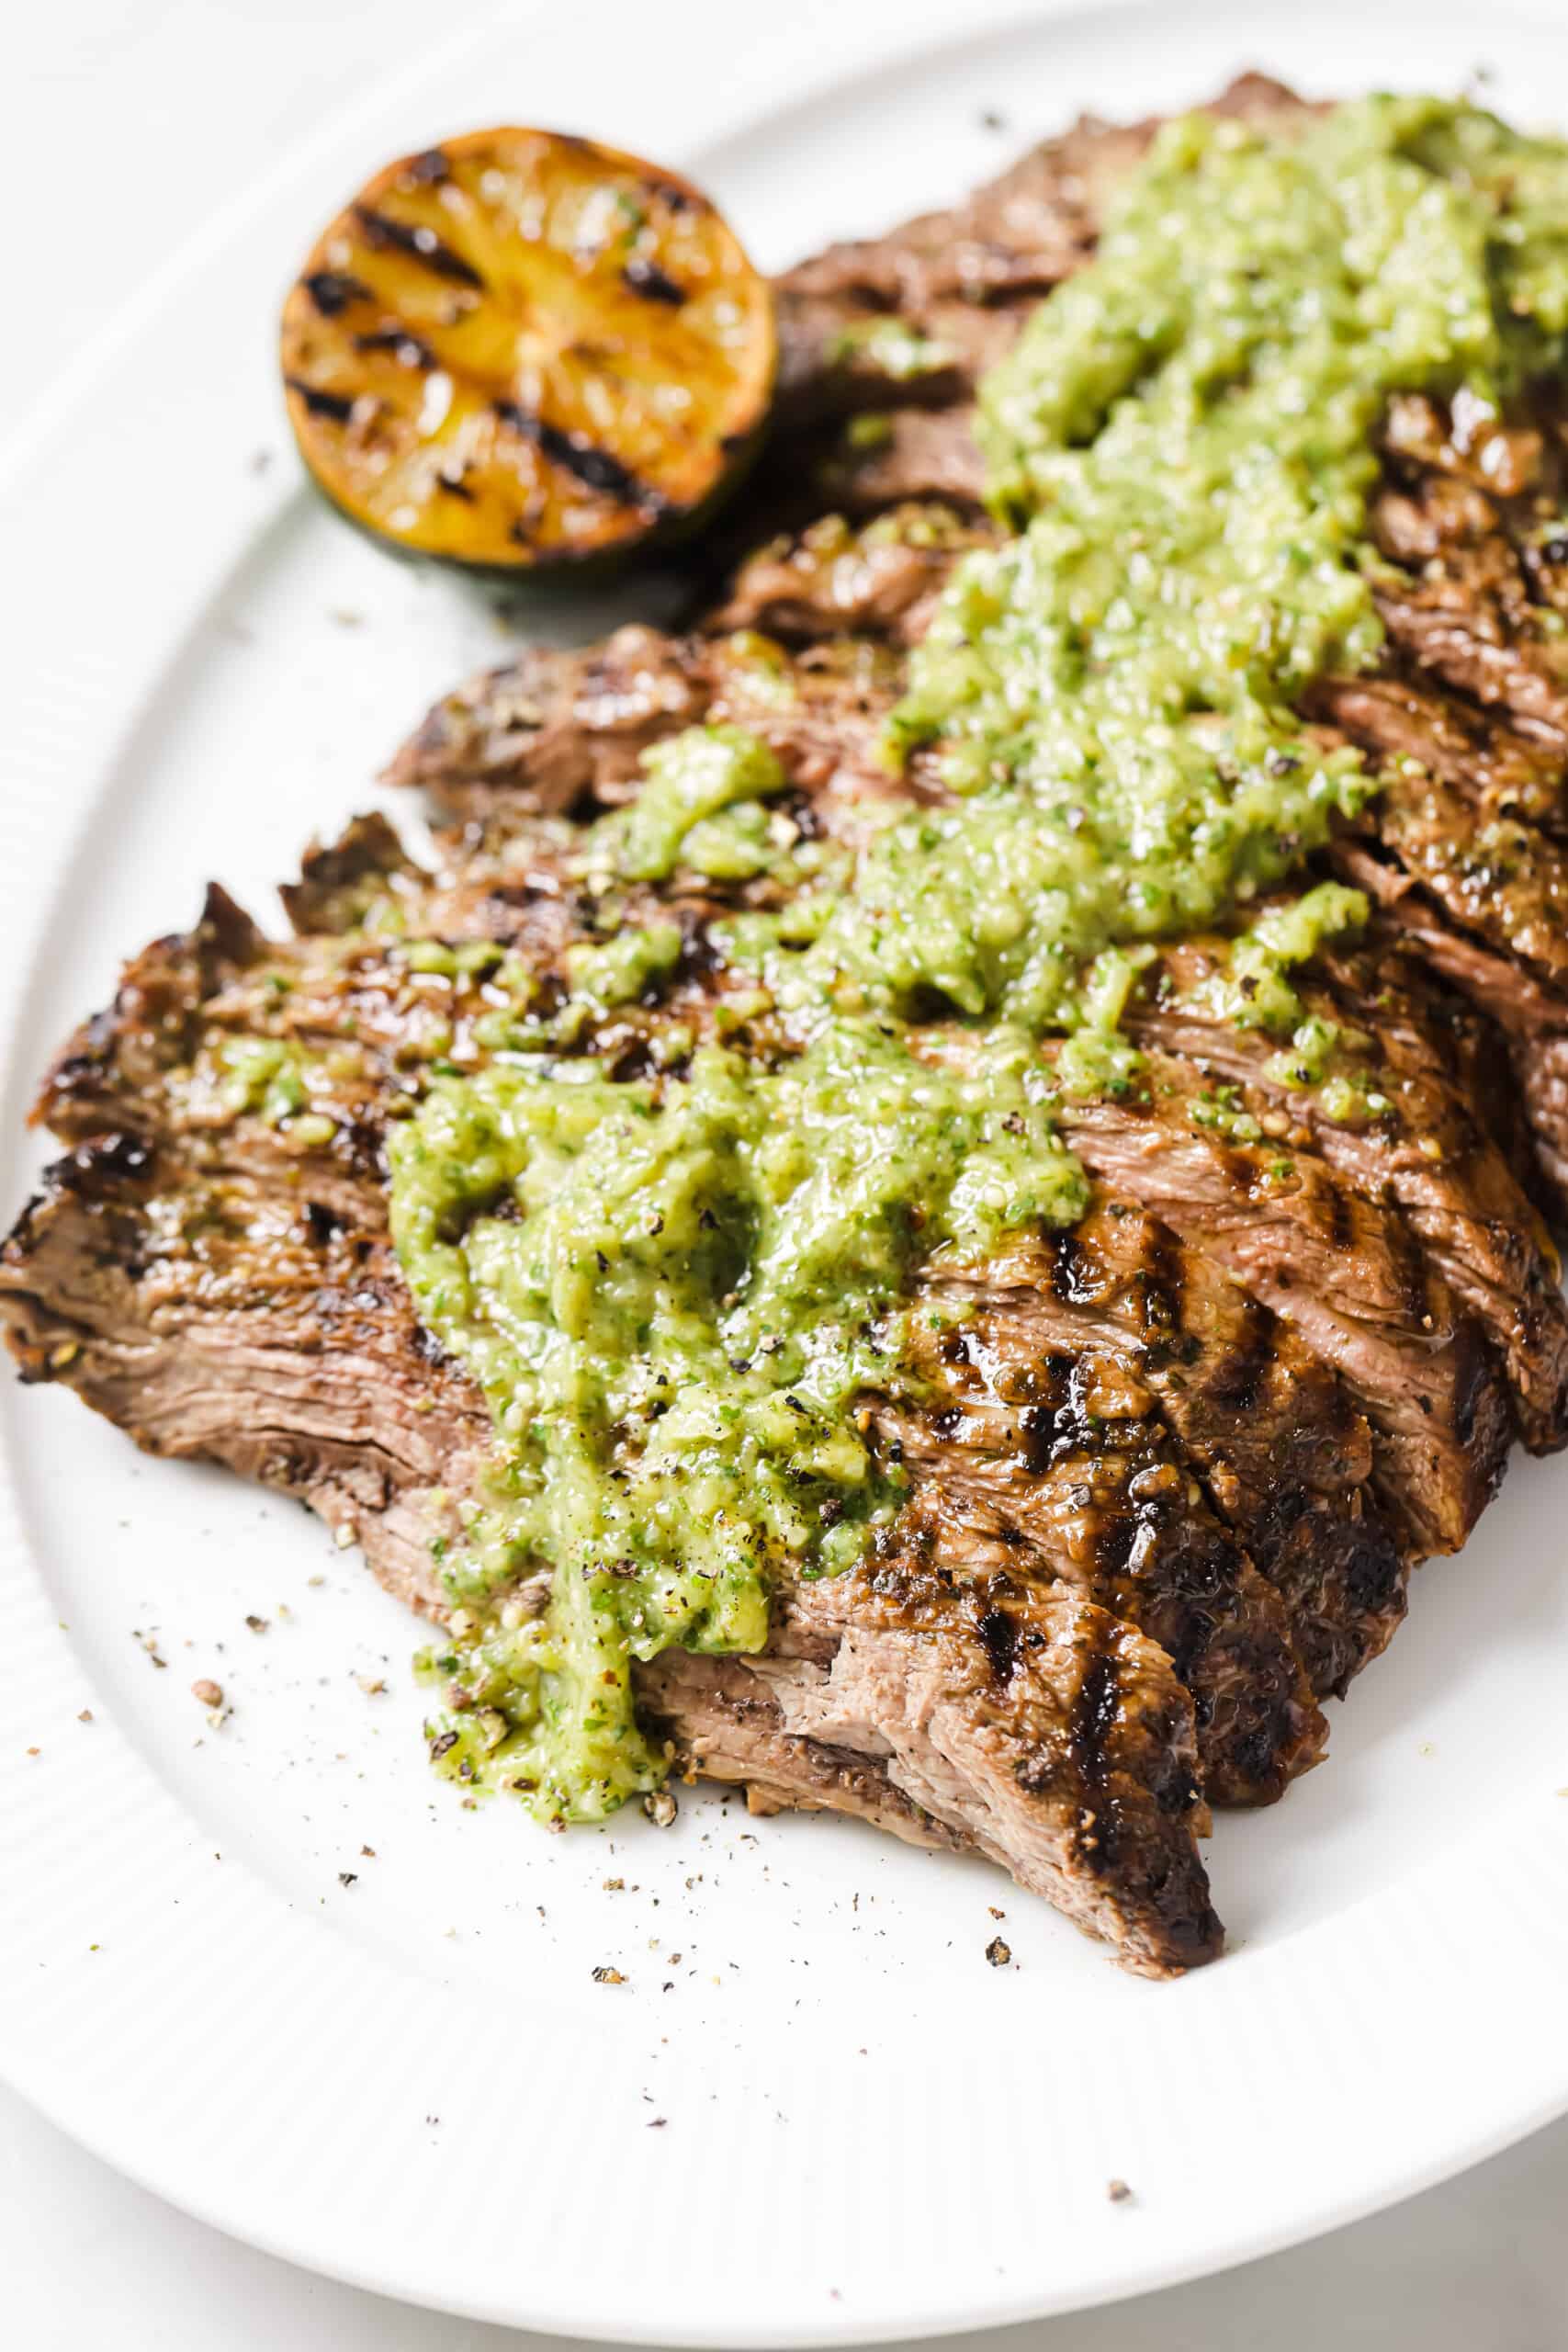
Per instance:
(967,276)
(220,1296)
(1169,1469)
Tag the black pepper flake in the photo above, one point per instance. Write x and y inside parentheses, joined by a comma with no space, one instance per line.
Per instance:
(608,1976)
(348,1878)
(999,1953)
(439,1748)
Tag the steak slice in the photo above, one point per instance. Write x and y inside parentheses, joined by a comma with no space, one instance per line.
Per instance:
(1532,1020)
(230,1317)
(249,1323)
(1037,1731)
(1062,1460)
(550,731)
(1349,1275)
(879,580)
(950,273)
(1417,1146)
(1283,1451)
(556,724)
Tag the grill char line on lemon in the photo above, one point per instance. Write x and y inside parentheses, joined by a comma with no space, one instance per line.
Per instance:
(520,349)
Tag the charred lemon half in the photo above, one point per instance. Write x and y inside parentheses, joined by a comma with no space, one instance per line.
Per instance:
(520,349)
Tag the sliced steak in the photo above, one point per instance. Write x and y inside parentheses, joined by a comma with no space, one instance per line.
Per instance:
(239,1322)
(1353,1276)
(1190,1443)
(1079,1511)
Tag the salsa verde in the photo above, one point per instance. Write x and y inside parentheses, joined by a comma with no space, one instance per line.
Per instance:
(680,1295)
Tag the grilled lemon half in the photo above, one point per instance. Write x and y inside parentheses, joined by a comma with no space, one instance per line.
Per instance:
(521,350)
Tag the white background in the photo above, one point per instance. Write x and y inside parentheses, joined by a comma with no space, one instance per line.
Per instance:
(123,113)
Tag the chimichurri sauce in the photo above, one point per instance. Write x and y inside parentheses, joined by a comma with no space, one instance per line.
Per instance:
(678,1296)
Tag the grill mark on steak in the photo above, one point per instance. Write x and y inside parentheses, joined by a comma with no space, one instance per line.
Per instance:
(1067,1467)
(1281,1451)
(1093,1714)
(998,1637)
(1239,1381)
(1345,1271)
(1459,1204)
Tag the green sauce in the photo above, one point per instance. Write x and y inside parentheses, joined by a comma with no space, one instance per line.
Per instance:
(693,780)
(679,1296)
(674,1303)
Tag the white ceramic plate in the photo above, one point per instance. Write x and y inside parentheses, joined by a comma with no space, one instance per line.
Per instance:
(812,2113)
